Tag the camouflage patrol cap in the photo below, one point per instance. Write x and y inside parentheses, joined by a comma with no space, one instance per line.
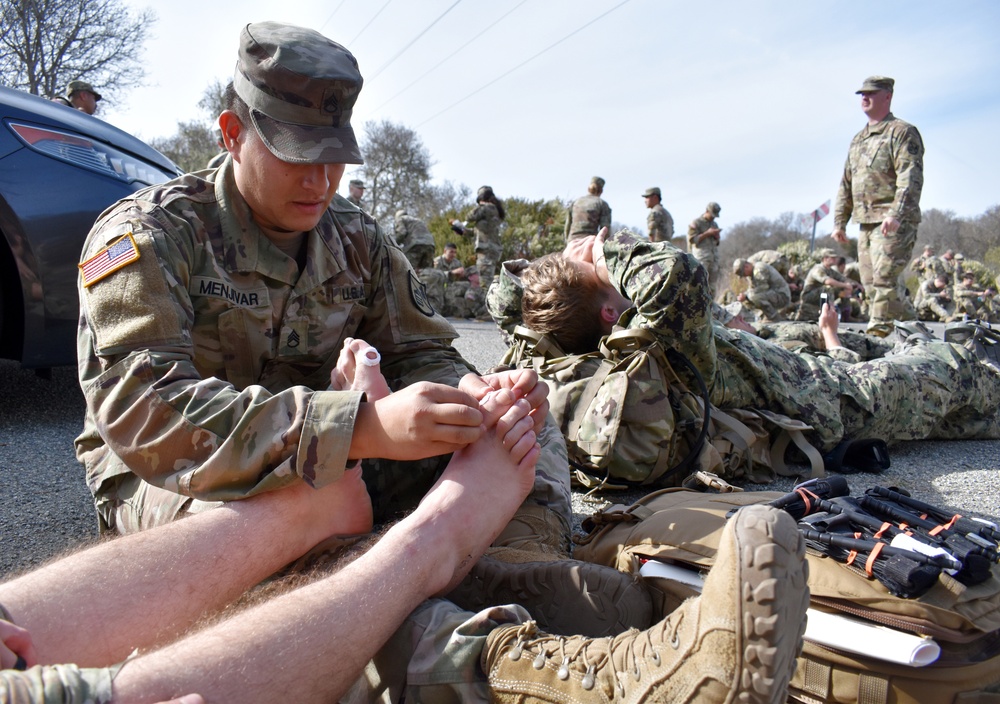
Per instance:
(873,84)
(357,183)
(827,252)
(74,86)
(713,208)
(484,192)
(598,181)
(968,274)
(654,191)
(738,266)
(301,88)
(959,256)
(928,248)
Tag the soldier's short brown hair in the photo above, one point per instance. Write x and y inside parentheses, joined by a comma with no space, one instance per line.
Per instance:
(560,300)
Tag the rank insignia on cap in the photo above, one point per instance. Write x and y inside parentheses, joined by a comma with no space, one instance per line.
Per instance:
(121,252)
(418,292)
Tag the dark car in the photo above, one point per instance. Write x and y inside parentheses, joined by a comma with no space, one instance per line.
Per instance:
(59,169)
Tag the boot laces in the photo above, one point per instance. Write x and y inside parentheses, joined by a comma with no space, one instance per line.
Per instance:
(635,646)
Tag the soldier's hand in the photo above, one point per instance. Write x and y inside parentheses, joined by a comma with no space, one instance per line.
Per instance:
(580,249)
(840,235)
(889,226)
(421,420)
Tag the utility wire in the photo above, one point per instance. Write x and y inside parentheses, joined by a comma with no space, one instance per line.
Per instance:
(335,10)
(413,41)
(350,43)
(435,66)
(526,61)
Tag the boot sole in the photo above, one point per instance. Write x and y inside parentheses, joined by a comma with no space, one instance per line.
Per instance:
(565,597)
(774,596)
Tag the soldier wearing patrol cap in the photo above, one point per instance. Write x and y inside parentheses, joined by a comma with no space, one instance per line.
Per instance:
(880,188)
(589,213)
(356,191)
(82,96)
(659,223)
(703,243)
(823,278)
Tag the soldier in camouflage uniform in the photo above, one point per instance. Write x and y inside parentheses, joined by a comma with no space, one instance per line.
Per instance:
(659,223)
(933,301)
(773,257)
(415,239)
(589,213)
(928,390)
(822,278)
(880,188)
(356,191)
(928,265)
(486,218)
(972,300)
(768,291)
(703,243)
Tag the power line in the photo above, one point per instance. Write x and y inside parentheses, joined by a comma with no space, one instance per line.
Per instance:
(526,61)
(335,10)
(413,41)
(351,43)
(439,63)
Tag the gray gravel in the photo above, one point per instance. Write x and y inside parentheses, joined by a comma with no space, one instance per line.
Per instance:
(45,506)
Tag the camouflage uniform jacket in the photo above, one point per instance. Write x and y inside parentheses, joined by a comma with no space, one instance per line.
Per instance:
(486,219)
(931,267)
(708,248)
(355,201)
(202,362)
(449,267)
(660,224)
(883,175)
(817,276)
(586,216)
(410,231)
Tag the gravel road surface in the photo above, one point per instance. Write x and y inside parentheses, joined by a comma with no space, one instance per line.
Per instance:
(45,506)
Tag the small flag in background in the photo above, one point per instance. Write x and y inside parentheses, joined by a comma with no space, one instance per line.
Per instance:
(119,253)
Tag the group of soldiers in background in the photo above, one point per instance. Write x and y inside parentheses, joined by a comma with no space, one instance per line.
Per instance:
(949,291)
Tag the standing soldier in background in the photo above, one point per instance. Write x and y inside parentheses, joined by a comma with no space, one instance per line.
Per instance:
(486,219)
(356,190)
(415,239)
(588,213)
(703,243)
(659,223)
(880,189)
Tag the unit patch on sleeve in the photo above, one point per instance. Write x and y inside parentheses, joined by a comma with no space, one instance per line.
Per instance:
(418,292)
(116,255)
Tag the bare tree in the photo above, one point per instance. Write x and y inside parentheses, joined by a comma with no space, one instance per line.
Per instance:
(397,168)
(197,141)
(44,44)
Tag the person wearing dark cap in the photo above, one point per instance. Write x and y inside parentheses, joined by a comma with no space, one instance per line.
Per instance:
(880,188)
(658,222)
(82,96)
(589,213)
(703,243)
(356,191)
(485,221)
(823,278)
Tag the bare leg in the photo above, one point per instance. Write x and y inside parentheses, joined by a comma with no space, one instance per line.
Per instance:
(330,629)
(93,608)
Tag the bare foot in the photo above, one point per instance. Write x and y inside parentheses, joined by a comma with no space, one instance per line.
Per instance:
(358,369)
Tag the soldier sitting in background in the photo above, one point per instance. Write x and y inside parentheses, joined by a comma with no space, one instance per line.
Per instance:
(462,294)
(933,301)
(415,239)
(767,292)
(823,278)
(971,300)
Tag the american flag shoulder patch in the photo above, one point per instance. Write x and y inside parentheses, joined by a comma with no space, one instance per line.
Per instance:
(121,252)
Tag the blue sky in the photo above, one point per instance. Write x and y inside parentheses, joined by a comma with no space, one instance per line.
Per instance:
(748,104)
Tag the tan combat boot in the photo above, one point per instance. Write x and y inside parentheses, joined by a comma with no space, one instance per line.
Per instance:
(529,564)
(737,642)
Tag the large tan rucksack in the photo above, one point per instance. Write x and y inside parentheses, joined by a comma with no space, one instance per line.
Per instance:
(629,419)
(683,527)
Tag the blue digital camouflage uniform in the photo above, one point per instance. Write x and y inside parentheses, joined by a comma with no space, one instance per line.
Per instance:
(928,390)
(883,177)
(204,362)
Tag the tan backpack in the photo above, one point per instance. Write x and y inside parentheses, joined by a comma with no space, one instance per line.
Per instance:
(683,527)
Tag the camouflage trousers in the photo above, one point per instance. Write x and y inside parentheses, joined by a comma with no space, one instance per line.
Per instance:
(711,264)
(434,657)
(882,259)
(793,335)
(420,256)
(435,282)
(461,300)
(933,309)
(487,261)
(769,303)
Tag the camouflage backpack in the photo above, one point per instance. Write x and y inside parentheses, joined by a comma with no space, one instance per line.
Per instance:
(629,419)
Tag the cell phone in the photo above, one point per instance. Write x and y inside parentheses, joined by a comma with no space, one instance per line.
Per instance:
(823,298)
